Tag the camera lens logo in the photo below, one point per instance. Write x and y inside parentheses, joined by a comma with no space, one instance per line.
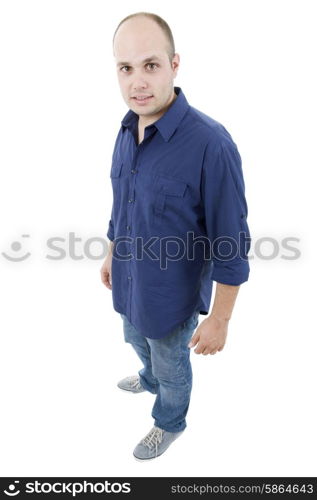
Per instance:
(16,247)
(13,492)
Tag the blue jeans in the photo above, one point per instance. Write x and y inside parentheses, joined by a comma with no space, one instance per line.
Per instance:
(166,371)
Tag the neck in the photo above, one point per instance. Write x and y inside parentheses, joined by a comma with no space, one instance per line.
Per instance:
(144,121)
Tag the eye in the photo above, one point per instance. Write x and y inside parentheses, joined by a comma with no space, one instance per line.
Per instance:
(153,66)
(122,68)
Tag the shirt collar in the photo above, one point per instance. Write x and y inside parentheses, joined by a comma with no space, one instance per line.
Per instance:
(169,122)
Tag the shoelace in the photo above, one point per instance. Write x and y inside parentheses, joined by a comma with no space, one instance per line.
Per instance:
(136,384)
(153,438)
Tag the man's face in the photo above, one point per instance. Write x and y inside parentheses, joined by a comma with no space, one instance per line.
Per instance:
(145,73)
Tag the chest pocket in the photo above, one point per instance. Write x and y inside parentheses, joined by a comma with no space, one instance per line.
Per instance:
(115,175)
(169,195)
(116,169)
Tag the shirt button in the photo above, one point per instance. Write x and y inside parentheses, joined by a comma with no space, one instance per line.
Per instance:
(133,171)
(129,278)
(131,200)
(128,227)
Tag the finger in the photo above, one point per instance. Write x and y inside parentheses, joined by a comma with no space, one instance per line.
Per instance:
(107,281)
(193,341)
(199,349)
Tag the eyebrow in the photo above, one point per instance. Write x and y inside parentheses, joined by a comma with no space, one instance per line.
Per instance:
(148,59)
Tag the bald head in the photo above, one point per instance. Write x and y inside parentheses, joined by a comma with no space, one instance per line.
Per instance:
(151,22)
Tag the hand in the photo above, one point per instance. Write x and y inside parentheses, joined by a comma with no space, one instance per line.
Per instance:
(105,271)
(210,336)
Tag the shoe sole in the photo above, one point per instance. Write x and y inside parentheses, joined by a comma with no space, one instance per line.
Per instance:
(131,392)
(147,459)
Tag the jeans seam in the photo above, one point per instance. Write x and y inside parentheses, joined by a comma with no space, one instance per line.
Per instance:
(180,363)
(150,356)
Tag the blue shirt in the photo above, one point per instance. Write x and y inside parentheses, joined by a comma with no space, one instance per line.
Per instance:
(179,217)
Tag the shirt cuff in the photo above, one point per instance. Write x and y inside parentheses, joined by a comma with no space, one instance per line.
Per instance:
(231,273)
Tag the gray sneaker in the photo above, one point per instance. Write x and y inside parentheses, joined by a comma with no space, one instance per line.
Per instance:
(154,443)
(131,384)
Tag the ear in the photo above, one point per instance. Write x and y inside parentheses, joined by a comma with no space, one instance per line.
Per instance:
(175,63)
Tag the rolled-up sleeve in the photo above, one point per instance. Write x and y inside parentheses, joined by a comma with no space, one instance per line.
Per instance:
(226,211)
(110,232)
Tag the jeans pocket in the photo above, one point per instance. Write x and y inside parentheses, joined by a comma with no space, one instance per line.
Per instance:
(195,318)
(196,321)
(193,321)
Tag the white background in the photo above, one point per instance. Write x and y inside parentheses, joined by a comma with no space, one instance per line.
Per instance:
(249,65)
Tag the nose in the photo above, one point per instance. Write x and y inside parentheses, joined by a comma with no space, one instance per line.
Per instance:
(138,85)
(139,81)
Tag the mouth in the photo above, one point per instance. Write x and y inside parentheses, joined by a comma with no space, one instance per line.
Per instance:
(142,99)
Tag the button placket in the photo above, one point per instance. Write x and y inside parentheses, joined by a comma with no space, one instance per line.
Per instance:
(129,226)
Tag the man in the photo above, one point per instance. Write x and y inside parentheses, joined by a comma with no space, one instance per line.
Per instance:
(178,223)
